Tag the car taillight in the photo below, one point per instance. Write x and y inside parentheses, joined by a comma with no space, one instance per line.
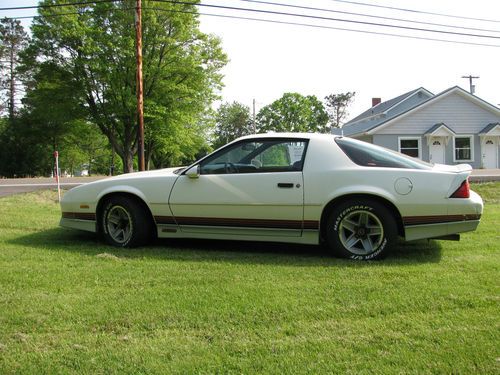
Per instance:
(463,191)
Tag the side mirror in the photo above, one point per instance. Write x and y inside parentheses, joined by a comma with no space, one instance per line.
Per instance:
(193,172)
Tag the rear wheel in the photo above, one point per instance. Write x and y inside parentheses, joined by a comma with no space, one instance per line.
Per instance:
(361,229)
(124,222)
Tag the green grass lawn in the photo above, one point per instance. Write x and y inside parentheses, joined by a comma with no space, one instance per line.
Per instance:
(71,304)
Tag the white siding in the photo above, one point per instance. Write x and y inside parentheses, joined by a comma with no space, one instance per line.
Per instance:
(457,112)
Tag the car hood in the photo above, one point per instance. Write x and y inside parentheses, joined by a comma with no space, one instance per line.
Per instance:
(125,178)
(139,175)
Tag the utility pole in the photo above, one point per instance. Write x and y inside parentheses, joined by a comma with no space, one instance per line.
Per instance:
(472,88)
(139,89)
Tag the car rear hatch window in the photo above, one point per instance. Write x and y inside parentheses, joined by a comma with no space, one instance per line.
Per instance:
(368,155)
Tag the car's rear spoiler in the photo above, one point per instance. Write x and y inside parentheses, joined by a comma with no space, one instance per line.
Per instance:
(460,173)
(460,168)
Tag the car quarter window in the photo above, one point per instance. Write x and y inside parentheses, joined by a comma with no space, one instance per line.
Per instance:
(257,156)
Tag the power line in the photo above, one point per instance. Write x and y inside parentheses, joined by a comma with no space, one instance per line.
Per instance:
(334,28)
(283,23)
(322,27)
(260,11)
(366,15)
(416,11)
(43,6)
(63,14)
(292,14)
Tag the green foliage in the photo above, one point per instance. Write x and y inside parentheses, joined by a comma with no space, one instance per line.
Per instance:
(232,120)
(95,49)
(23,151)
(276,156)
(13,40)
(71,304)
(293,112)
(336,107)
(85,147)
(30,139)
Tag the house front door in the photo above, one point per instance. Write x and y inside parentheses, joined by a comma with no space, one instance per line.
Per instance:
(490,152)
(436,151)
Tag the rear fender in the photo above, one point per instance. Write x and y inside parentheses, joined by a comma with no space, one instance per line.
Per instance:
(457,181)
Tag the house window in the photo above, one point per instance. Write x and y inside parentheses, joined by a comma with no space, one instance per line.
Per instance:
(410,146)
(463,148)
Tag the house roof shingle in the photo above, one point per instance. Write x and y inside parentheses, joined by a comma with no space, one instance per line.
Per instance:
(381,107)
(437,126)
(489,127)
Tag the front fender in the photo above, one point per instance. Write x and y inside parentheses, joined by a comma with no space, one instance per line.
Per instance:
(121,189)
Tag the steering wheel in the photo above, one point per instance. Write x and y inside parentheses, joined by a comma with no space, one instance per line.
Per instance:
(230,167)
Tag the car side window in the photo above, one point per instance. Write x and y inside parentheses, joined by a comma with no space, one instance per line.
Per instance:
(257,156)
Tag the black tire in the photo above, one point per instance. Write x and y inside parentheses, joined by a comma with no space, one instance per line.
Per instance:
(125,223)
(361,229)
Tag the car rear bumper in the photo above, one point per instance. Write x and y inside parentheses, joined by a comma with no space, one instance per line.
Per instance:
(463,216)
(417,232)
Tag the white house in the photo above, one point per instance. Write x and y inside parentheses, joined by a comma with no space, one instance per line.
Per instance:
(450,128)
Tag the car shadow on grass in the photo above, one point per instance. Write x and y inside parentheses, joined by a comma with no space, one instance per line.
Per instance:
(60,239)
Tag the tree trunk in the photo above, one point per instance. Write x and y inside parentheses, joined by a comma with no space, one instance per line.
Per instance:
(112,166)
(12,87)
(128,162)
(148,153)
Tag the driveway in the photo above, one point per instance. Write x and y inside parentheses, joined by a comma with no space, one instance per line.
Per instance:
(485,175)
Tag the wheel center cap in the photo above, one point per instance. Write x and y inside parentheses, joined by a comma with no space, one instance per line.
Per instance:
(361,232)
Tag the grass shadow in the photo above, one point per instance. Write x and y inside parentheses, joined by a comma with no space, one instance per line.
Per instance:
(59,239)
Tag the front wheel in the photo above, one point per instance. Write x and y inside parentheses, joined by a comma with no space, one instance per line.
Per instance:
(361,229)
(124,222)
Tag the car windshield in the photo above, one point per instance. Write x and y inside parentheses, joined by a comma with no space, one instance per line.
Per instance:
(368,155)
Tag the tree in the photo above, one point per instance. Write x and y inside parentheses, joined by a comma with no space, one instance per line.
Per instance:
(336,106)
(293,113)
(29,140)
(13,40)
(85,146)
(52,86)
(94,45)
(23,151)
(232,120)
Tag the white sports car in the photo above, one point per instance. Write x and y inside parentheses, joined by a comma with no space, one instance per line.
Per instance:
(299,188)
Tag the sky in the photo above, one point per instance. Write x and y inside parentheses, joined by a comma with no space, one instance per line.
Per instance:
(269,59)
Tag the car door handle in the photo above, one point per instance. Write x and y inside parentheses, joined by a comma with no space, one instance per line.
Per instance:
(285,184)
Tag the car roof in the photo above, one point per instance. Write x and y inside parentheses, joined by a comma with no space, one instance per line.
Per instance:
(289,135)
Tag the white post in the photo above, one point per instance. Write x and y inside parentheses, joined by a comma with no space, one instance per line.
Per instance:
(56,155)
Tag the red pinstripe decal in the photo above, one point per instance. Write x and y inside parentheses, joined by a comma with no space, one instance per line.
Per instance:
(79,215)
(234,222)
(437,219)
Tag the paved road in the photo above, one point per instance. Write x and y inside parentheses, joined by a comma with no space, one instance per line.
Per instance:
(24,185)
(9,186)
